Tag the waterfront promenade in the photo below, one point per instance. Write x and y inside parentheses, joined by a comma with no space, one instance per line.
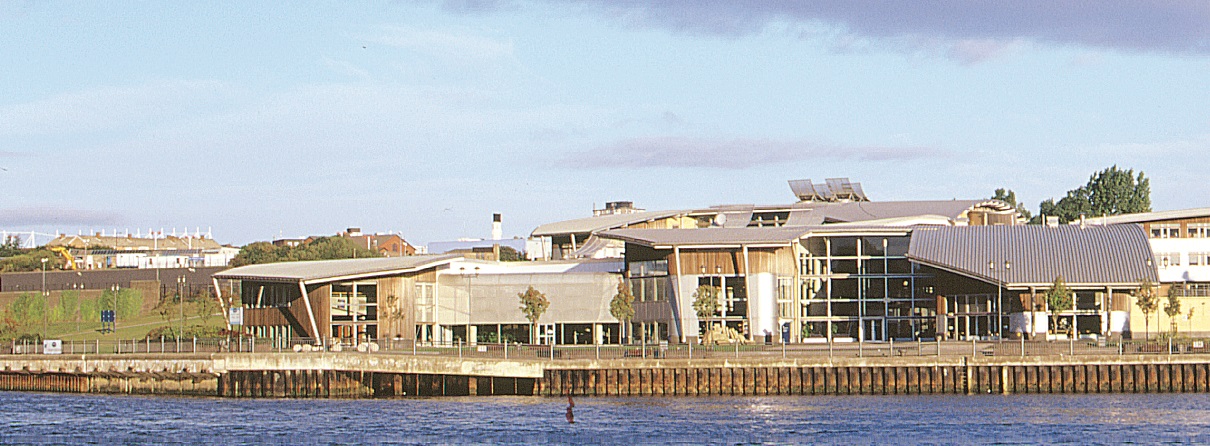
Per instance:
(390,370)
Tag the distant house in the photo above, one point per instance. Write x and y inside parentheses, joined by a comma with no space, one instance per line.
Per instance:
(101,252)
(388,245)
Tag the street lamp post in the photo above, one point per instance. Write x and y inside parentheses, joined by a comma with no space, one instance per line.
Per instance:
(115,288)
(45,302)
(180,286)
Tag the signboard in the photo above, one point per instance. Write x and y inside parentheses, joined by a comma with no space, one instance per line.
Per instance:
(1199,344)
(52,347)
(235,316)
(107,316)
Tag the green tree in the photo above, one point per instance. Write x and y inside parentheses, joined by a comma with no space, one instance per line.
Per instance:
(89,310)
(508,254)
(259,252)
(31,261)
(1172,308)
(705,304)
(127,303)
(533,305)
(1146,299)
(1109,192)
(622,307)
(205,305)
(11,247)
(1010,197)
(69,305)
(27,310)
(322,248)
(1058,298)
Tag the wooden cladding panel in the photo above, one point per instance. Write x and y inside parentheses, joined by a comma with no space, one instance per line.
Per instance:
(730,261)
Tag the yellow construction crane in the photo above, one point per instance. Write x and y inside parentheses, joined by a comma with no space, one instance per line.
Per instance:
(69,261)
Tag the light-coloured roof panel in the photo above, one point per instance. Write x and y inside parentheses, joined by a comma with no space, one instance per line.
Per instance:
(1035,255)
(708,236)
(600,223)
(319,270)
(1147,217)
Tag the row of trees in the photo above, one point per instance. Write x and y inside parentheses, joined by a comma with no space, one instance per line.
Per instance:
(323,248)
(1112,191)
(29,311)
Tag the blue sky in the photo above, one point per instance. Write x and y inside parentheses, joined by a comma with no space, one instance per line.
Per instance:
(260,119)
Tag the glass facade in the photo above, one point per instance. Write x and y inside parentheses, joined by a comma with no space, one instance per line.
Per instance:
(354,310)
(862,288)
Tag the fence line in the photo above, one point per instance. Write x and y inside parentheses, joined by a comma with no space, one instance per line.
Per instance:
(248,344)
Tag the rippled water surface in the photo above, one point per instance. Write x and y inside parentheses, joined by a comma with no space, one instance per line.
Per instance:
(1083,419)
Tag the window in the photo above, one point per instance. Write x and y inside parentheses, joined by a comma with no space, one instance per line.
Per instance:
(1166,259)
(1165,230)
(1199,258)
(1199,230)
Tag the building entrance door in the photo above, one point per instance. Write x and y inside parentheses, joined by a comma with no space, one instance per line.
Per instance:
(546,334)
(873,330)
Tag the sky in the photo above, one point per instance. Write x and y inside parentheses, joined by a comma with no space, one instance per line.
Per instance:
(259,120)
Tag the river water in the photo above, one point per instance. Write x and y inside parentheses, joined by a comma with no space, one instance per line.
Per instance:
(941,419)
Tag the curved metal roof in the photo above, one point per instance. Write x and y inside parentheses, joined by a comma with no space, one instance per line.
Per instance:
(1034,255)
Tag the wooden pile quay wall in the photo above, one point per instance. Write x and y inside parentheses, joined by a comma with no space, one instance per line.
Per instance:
(884,376)
(359,375)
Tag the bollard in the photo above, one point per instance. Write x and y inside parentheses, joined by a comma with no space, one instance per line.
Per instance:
(505,350)
(938,347)
(599,352)
(161,344)
(414,349)
(737,350)
(195,344)
(552,351)
(861,349)
(1022,345)
(973,348)
(783,350)
(829,348)
(1169,346)
(1121,350)
(892,351)
(1071,343)
(691,351)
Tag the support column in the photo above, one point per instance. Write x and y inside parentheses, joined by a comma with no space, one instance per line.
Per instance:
(680,296)
(310,312)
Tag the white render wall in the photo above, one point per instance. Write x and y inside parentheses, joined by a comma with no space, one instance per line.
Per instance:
(1181,272)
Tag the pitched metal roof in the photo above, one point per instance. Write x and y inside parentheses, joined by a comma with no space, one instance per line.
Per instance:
(601,223)
(880,210)
(1023,256)
(1146,217)
(328,270)
(664,238)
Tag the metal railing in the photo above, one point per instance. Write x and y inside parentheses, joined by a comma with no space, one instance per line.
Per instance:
(640,351)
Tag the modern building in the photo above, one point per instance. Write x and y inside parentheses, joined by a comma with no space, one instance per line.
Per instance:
(867,282)
(836,201)
(440,299)
(1180,241)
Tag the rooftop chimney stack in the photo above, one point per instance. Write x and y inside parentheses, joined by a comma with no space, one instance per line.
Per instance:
(497,230)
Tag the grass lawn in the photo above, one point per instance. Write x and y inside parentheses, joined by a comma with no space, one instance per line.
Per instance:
(127,329)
